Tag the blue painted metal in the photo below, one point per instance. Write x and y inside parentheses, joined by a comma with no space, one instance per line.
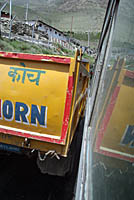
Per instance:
(10,148)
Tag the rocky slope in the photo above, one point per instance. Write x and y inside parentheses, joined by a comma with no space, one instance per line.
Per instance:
(87,14)
(75,5)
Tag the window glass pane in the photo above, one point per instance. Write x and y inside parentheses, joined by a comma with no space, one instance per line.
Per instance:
(112,124)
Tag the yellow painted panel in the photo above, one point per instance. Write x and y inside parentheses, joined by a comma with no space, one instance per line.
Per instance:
(18,83)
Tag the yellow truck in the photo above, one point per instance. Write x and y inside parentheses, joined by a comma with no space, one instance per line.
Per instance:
(42,98)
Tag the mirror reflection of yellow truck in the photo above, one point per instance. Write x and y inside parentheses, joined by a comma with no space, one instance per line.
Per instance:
(42,98)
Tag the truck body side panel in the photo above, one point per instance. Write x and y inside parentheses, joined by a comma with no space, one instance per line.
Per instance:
(36,93)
